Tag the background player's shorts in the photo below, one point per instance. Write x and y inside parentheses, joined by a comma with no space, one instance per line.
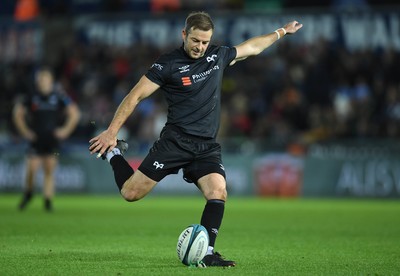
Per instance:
(176,150)
(44,145)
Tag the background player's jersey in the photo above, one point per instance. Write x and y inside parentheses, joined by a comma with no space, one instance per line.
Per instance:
(192,88)
(46,113)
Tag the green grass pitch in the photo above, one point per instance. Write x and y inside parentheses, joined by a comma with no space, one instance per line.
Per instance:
(104,235)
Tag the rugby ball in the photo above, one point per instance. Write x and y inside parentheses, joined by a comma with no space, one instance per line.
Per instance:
(192,244)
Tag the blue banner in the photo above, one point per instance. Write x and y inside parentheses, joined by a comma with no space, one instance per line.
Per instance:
(373,30)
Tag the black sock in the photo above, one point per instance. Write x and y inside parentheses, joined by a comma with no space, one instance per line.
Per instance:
(47,204)
(122,170)
(212,218)
(28,194)
(25,199)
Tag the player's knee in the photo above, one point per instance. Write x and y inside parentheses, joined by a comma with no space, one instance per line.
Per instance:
(134,190)
(223,195)
(219,193)
(131,195)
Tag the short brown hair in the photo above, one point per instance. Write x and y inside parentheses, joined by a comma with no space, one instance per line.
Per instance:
(199,20)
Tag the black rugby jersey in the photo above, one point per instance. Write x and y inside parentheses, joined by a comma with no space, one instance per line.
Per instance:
(45,113)
(192,88)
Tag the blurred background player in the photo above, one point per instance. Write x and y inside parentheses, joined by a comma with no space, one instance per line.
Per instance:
(45,118)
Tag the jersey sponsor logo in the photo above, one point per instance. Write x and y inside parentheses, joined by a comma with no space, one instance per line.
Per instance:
(159,67)
(184,69)
(212,58)
(158,165)
(186,81)
(203,75)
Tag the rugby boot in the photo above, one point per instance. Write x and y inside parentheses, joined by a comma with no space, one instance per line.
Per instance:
(121,145)
(25,200)
(216,259)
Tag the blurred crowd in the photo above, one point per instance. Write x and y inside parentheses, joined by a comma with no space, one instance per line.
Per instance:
(290,94)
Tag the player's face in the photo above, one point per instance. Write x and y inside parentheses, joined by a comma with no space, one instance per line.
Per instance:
(196,42)
(44,81)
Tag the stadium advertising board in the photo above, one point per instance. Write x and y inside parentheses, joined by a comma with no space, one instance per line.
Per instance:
(326,171)
(278,174)
(355,171)
(352,30)
(80,173)
(70,175)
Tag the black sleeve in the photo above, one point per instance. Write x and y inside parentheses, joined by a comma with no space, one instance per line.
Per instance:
(160,71)
(228,54)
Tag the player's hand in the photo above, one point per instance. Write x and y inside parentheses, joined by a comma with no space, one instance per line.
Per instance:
(104,142)
(292,27)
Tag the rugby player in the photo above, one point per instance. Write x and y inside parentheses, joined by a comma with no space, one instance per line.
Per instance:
(190,78)
(45,118)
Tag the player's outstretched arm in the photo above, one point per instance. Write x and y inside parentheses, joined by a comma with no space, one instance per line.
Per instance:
(256,45)
(108,138)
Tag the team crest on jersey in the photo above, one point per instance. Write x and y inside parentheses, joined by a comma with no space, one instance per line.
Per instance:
(186,81)
(158,165)
(212,58)
(184,69)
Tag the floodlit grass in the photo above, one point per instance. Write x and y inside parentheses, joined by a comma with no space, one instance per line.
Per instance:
(104,235)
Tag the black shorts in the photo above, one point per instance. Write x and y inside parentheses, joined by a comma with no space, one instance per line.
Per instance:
(175,150)
(44,145)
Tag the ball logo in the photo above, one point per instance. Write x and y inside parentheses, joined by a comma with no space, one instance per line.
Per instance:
(181,240)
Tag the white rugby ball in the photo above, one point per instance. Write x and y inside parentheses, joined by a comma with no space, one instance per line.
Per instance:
(192,244)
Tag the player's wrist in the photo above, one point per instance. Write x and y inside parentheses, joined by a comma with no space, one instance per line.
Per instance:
(112,131)
(281,32)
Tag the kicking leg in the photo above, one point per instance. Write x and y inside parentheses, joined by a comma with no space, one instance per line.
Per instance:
(132,185)
(137,186)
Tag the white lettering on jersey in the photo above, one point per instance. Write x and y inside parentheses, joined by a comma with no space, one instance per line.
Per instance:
(157,66)
(203,75)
